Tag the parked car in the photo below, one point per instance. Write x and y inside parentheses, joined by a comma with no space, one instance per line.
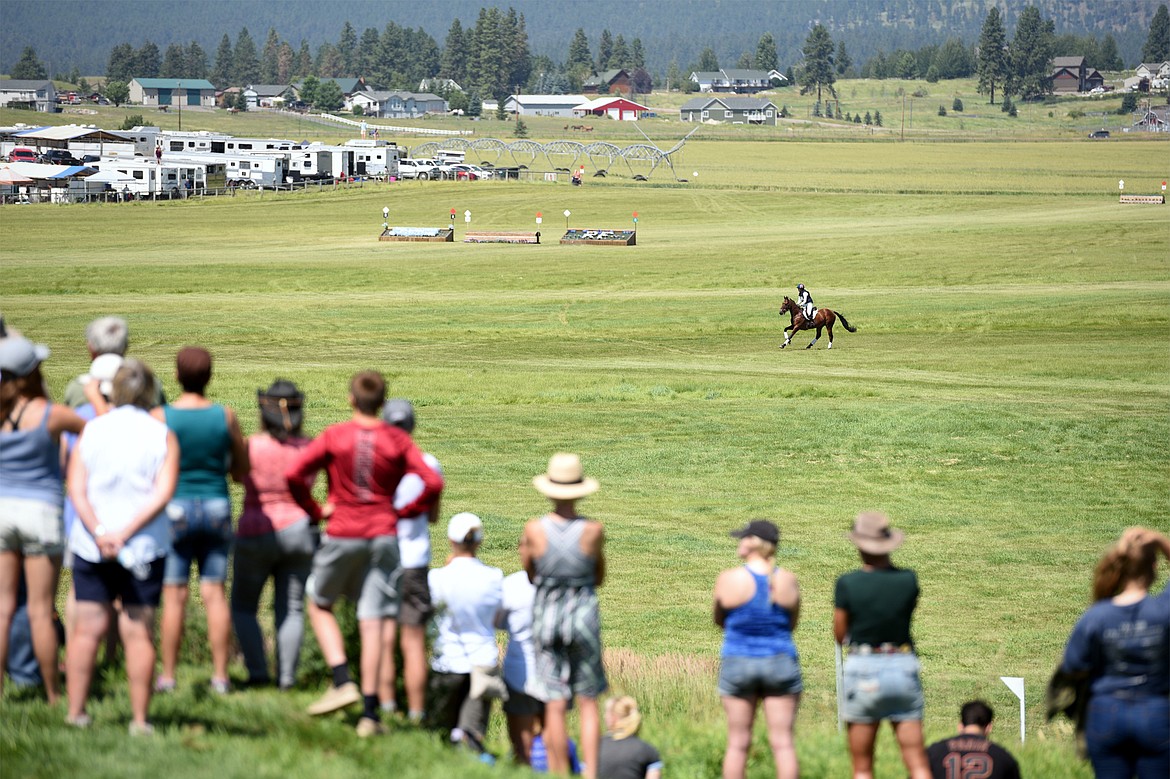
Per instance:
(465,172)
(21,154)
(58,157)
(415,169)
(1099,134)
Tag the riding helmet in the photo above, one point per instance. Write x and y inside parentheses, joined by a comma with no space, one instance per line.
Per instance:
(800,286)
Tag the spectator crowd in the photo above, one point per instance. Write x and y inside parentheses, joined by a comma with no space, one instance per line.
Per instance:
(130,492)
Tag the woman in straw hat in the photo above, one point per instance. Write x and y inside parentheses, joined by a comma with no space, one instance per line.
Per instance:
(563,554)
(1122,645)
(871,620)
(758,605)
(623,754)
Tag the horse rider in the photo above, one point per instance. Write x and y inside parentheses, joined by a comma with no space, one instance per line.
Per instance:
(805,301)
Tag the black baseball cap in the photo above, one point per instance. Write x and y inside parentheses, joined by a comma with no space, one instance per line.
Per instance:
(761,529)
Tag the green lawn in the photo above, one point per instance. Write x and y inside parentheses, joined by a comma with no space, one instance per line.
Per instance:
(1006,399)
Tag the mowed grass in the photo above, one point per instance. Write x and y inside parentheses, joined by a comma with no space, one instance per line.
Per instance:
(1006,399)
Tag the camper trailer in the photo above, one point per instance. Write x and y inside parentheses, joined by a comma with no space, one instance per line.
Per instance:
(374,158)
(150,179)
(221,143)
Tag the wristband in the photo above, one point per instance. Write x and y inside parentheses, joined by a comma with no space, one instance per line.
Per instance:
(99,531)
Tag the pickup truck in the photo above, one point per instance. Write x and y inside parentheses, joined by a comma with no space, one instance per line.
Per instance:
(415,169)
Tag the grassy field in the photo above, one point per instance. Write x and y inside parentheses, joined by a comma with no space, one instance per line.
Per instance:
(1006,399)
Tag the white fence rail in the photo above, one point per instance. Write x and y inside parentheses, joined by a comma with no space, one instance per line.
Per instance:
(395,128)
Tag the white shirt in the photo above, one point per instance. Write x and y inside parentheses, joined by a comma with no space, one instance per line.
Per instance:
(414,534)
(515,616)
(466,595)
(123,452)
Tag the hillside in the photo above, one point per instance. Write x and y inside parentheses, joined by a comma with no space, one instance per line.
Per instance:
(69,33)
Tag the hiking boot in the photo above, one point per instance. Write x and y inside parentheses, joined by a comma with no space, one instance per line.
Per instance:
(367,727)
(336,698)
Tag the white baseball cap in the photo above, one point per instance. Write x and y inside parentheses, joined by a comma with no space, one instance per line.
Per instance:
(464,524)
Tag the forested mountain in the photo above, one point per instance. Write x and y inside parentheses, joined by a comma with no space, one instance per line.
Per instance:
(80,33)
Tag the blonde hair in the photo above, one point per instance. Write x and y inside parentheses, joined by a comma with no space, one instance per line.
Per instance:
(1124,563)
(627,718)
(763,548)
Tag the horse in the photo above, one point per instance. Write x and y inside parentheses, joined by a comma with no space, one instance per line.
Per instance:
(823,318)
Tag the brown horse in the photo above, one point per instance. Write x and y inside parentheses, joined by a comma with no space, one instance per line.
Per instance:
(823,318)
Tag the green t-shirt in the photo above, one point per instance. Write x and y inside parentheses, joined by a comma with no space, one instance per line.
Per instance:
(74,395)
(880,604)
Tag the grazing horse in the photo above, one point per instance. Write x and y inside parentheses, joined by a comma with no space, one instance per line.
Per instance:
(823,318)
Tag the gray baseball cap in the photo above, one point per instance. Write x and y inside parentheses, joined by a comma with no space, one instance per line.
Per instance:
(400,413)
(20,356)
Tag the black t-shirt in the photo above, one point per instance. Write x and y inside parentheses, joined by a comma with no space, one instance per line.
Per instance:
(880,604)
(969,757)
(627,758)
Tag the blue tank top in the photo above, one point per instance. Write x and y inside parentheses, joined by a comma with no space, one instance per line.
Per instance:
(758,628)
(30,464)
(205,447)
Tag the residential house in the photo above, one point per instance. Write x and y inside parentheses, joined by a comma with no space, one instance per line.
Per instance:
(543,105)
(432,84)
(33,94)
(226,98)
(1153,70)
(398,105)
(172,91)
(733,110)
(610,82)
(349,88)
(269,95)
(612,107)
(1068,75)
(737,80)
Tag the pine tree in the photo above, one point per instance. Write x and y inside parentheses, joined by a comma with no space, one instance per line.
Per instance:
(521,130)
(369,53)
(844,61)
(745,61)
(147,61)
(992,62)
(196,61)
(268,64)
(28,66)
(1157,46)
(766,58)
(309,89)
(1109,58)
(818,62)
(121,63)
(454,61)
(221,74)
(285,59)
(868,118)
(329,95)
(347,48)
(877,118)
(328,63)
(604,51)
(174,64)
(1030,53)
(674,76)
(580,61)
(245,61)
(708,62)
(637,55)
(304,61)
(957,105)
(518,55)
(621,53)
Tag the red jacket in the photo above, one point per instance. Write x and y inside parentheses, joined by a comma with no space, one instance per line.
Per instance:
(364,465)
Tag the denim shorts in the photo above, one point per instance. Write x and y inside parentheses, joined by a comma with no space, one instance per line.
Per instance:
(31,527)
(759,677)
(201,533)
(883,687)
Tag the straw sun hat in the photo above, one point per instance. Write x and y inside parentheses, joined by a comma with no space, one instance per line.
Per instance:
(565,479)
(872,533)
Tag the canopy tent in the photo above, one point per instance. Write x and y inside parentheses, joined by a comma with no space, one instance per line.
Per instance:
(11,178)
(39,172)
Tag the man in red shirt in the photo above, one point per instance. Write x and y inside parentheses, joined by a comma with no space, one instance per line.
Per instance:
(364,458)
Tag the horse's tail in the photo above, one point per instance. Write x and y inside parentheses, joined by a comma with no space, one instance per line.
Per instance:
(845,322)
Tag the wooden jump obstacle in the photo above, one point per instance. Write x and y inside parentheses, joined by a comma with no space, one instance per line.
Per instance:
(427,234)
(1143,199)
(485,236)
(601,237)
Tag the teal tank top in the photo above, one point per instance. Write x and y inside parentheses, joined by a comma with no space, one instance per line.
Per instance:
(205,447)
